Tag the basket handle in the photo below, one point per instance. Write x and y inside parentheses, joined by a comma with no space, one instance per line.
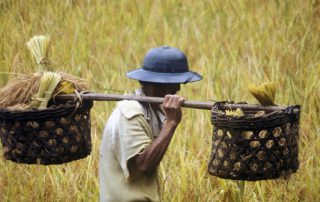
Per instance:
(159,100)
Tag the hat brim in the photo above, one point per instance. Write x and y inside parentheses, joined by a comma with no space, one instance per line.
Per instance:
(156,77)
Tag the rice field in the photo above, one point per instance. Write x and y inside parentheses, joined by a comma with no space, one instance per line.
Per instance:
(231,43)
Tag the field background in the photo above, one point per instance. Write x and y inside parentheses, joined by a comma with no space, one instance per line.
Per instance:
(231,43)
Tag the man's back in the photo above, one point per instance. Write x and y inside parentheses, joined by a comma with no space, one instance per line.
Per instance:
(126,134)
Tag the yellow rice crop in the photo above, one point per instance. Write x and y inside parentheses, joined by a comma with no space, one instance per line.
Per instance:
(231,43)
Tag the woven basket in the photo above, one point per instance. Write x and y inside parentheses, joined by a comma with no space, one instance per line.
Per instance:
(254,147)
(55,135)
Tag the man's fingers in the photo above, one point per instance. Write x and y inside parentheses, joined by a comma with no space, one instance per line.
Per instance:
(167,100)
(181,100)
(178,101)
(173,101)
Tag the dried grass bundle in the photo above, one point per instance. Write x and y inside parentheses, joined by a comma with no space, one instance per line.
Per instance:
(39,47)
(23,92)
(78,83)
(264,93)
(20,90)
(48,84)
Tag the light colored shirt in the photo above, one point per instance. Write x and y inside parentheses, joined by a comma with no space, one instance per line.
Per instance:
(130,129)
(154,118)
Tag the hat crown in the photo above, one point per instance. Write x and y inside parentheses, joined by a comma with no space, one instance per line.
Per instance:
(164,65)
(165,59)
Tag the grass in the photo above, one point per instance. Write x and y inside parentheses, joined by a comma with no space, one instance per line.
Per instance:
(231,43)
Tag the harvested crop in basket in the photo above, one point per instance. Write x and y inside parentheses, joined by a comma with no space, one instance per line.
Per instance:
(229,112)
(264,93)
(256,146)
(48,83)
(65,87)
(39,47)
(238,112)
(35,90)
(32,129)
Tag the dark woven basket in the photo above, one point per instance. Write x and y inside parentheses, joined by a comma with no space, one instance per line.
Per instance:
(55,135)
(254,147)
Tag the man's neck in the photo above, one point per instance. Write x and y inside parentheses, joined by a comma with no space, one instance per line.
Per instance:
(149,91)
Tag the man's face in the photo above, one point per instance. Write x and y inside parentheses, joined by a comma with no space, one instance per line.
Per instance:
(161,90)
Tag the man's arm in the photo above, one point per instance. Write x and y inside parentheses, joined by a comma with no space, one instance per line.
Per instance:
(150,158)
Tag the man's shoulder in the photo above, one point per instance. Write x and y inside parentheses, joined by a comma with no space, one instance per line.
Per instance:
(130,108)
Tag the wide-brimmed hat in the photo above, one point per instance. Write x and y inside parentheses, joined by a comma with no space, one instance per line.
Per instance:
(164,65)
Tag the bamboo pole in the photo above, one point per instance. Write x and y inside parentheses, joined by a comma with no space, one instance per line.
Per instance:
(159,100)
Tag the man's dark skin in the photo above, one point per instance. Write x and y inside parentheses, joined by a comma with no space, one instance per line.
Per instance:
(150,158)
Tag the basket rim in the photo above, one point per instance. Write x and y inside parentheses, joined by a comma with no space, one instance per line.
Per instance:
(288,110)
(274,118)
(52,111)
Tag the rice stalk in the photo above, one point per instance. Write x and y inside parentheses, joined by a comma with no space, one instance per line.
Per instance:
(24,92)
(264,93)
(39,47)
(48,83)
(238,112)
(79,84)
(65,87)
(19,90)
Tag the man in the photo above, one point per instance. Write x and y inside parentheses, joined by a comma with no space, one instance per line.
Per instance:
(137,135)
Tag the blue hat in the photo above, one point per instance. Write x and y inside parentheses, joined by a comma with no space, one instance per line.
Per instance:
(164,65)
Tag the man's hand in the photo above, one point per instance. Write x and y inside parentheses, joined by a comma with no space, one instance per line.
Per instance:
(172,107)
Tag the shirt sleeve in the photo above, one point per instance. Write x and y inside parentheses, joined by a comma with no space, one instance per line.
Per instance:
(130,140)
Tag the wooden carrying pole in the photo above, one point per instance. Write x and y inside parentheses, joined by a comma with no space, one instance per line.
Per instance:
(158,100)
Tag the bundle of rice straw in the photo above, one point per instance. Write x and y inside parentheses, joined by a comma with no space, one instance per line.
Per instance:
(48,83)
(35,90)
(264,93)
(20,90)
(39,47)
